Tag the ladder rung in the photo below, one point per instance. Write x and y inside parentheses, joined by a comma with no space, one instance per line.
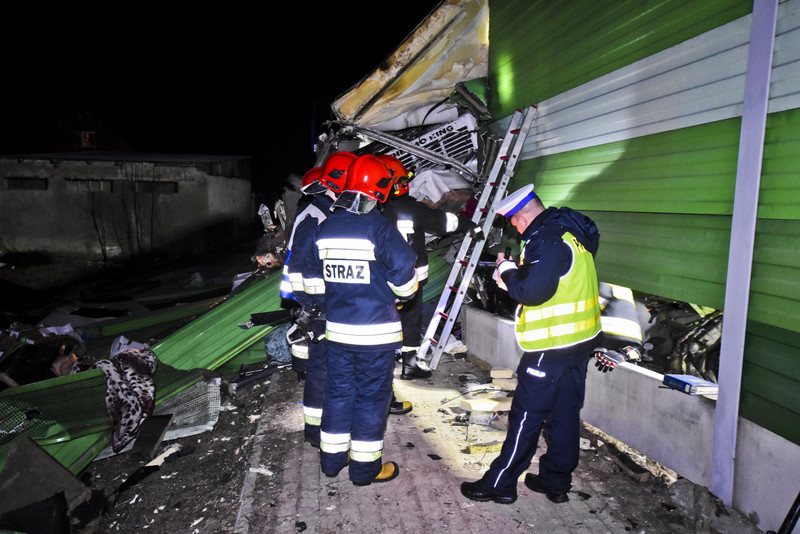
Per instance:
(433,341)
(454,289)
(443,314)
(516,131)
(504,158)
(494,184)
(484,210)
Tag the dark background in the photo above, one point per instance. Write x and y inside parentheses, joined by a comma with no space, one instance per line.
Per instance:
(256,81)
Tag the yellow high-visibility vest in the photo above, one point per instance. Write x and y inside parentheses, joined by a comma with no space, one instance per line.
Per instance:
(572,315)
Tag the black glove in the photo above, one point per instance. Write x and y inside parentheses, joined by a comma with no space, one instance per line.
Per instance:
(311,322)
(607,360)
(476,233)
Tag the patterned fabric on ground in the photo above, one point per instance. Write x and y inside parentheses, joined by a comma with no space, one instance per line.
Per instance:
(130,396)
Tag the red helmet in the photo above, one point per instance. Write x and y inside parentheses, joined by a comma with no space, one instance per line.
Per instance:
(334,172)
(369,176)
(311,177)
(401,175)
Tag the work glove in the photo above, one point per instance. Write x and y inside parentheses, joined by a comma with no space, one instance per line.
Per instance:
(476,233)
(607,360)
(631,353)
(312,322)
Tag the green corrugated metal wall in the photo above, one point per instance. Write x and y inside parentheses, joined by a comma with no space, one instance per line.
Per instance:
(542,48)
(663,202)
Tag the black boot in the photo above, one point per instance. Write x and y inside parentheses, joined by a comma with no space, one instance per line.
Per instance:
(412,369)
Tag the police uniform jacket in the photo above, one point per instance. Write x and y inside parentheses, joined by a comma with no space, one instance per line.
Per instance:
(556,283)
(359,266)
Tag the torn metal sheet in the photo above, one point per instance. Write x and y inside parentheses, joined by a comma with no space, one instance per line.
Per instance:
(450,46)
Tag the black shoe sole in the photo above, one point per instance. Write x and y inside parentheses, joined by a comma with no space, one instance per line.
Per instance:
(499,499)
(399,412)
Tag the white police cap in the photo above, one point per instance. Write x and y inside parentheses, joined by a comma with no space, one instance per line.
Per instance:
(514,202)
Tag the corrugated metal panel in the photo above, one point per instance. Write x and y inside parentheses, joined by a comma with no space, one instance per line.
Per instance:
(691,171)
(541,49)
(214,338)
(770,395)
(638,188)
(682,257)
(695,82)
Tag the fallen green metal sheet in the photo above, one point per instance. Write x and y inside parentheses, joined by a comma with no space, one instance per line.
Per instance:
(74,426)
(215,337)
(116,327)
(59,413)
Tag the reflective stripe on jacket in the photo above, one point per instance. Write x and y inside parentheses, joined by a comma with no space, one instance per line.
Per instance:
(305,224)
(619,318)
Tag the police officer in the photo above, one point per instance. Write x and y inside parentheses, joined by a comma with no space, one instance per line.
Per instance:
(360,267)
(557,325)
(414,219)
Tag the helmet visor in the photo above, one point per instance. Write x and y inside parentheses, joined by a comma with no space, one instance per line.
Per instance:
(314,188)
(355,202)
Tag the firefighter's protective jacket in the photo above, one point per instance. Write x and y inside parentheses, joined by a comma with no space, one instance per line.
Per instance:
(359,266)
(556,282)
(414,219)
(305,224)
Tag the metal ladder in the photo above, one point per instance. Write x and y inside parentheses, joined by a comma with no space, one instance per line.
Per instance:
(466,261)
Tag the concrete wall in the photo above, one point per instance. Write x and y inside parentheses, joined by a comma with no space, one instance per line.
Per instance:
(105,209)
(670,427)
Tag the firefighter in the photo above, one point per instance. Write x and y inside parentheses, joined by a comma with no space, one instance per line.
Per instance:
(414,219)
(557,324)
(360,267)
(320,186)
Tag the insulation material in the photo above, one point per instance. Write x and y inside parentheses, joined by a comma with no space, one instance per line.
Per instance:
(432,184)
(449,47)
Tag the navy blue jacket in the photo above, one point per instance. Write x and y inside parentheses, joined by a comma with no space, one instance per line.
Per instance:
(359,266)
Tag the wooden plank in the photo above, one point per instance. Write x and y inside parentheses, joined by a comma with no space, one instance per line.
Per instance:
(502,404)
(506,384)
(502,373)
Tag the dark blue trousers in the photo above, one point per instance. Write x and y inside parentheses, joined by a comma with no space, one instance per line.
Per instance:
(551,386)
(314,388)
(358,390)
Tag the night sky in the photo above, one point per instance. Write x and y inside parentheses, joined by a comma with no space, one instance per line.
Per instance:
(222,81)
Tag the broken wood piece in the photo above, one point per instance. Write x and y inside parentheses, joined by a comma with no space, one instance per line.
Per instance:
(492,446)
(620,458)
(502,373)
(506,384)
(150,435)
(501,404)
